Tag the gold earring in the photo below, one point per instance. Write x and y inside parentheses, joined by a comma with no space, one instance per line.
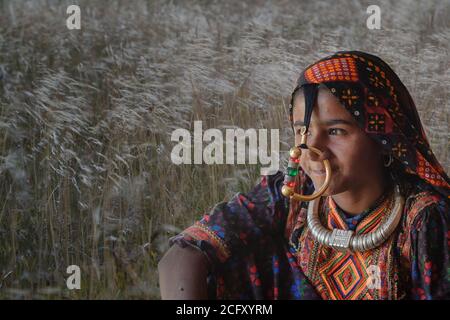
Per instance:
(389,161)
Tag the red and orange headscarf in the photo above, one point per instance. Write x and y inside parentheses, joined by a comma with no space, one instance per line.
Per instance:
(382,106)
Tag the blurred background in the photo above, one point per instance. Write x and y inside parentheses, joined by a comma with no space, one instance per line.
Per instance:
(86,118)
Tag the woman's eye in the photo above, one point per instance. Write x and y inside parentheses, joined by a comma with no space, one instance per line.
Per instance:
(337,131)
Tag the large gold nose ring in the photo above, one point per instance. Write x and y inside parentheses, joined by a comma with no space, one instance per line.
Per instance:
(292,171)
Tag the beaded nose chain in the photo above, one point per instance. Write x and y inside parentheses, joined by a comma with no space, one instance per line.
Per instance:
(342,240)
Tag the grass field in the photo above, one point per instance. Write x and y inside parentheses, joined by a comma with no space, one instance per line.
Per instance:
(86,117)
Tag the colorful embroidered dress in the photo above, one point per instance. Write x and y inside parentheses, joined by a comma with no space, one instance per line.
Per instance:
(259,245)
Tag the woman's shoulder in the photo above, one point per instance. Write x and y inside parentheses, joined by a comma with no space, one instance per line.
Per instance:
(245,221)
(423,203)
(268,185)
(262,199)
(265,202)
(425,217)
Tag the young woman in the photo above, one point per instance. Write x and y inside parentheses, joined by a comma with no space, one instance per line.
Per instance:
(379,230)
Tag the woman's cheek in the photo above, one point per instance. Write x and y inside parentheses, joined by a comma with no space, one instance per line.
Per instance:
(346,152)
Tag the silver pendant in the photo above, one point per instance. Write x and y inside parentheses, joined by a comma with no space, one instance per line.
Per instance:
(340,239)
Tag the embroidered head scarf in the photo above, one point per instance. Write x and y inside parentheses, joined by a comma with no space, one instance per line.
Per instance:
(381,105)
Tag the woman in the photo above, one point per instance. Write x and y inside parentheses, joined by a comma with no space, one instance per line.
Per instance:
(386,186)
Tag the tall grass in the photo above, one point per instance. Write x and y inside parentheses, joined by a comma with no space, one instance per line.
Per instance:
(86,118)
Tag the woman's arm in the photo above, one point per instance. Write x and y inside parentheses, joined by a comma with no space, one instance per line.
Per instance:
(430,253)
(182,274)
(229,229)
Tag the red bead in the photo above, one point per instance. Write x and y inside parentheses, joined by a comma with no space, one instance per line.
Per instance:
(291,184)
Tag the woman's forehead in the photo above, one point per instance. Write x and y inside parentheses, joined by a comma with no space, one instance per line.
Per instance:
(327,107)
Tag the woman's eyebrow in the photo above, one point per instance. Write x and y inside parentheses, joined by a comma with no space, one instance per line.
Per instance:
(338,121)
(327,123)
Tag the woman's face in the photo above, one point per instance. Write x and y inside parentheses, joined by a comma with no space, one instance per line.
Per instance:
(355,158)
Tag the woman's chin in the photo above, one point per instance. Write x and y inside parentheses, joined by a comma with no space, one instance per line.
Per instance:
(331,190)
(318,179)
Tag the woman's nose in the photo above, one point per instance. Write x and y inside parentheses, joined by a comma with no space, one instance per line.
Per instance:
(318,141)
(324,155)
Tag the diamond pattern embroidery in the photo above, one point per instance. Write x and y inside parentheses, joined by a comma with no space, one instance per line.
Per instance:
(376,122)
(399,150)
(372,101)
(349,97)
(345,278)
(375,81)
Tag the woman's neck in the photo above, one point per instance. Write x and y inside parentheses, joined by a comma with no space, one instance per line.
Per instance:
(355,201)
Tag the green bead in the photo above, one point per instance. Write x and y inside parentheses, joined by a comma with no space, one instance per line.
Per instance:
(292,172)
